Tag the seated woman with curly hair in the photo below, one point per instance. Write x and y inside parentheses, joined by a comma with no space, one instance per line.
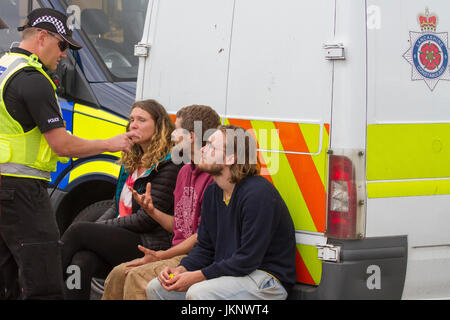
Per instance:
(96,247)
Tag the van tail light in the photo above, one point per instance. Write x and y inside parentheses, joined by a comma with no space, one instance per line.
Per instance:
(342,199)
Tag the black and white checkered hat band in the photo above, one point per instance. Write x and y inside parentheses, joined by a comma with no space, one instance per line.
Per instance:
(58,24)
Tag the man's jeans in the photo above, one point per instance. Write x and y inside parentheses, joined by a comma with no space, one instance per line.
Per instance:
(258,285)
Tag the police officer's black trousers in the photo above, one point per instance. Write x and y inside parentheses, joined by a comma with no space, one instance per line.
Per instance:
(30,257)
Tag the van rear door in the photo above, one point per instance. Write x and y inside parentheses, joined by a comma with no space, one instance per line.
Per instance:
(260,66)
(279,85)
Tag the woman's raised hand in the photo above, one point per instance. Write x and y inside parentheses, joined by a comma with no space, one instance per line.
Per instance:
(144,200)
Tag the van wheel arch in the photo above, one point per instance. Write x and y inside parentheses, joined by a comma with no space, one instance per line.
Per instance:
(80,197)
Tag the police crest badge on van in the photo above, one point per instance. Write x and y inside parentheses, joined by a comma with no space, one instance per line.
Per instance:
(428,53)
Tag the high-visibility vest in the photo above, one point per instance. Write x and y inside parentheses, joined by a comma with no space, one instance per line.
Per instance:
(23,154)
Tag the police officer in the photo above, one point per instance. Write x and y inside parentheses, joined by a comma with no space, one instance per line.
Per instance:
(32,139)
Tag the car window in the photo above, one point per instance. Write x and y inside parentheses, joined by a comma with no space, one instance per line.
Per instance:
(113,27)
(13,13)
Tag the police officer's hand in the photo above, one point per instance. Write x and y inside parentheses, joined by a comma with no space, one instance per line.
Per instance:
(123,142)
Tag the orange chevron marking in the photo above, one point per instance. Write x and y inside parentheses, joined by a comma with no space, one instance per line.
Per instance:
(327,126)
(305,172)
(303,274)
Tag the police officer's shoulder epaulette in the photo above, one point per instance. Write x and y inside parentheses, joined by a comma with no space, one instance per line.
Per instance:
(33,61)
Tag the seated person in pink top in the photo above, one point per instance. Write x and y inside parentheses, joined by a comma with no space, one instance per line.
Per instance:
(128,281)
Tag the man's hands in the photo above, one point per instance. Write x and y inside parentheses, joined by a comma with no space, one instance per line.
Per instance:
(179,279)
(144,200)
(149,256)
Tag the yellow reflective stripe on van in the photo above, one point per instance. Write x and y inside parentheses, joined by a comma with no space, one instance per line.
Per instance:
(408,188)
(310,262)
(99,114)
(311,132)
(91,124)
(408,151)
(96,167)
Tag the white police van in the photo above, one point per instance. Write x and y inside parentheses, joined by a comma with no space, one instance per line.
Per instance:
(350,102)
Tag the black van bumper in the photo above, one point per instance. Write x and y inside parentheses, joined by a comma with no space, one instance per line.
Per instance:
(370,268)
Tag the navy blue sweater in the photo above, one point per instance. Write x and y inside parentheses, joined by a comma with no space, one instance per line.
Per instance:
(255,231)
